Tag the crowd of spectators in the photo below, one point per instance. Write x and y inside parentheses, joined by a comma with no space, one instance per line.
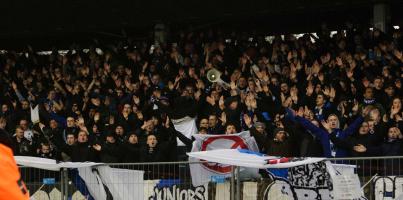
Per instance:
(316,96)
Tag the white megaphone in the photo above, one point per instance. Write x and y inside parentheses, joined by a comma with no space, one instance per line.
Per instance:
(213,75)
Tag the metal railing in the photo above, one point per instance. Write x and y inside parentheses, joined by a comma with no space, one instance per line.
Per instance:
(43,184)
(380,178)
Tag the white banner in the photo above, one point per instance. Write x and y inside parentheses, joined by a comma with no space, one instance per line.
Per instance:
(313,181)
(187,126)
(100,180)
(93,182)
(242,158)
(50,164)
(346,184)
(35,115)
(123,184)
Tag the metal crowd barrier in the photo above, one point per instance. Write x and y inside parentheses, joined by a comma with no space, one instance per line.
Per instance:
(44,183)
(380,178)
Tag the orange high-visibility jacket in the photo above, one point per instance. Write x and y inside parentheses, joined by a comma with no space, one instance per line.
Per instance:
(11,185)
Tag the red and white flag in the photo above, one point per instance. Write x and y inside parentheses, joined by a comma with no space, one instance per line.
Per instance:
(203,172)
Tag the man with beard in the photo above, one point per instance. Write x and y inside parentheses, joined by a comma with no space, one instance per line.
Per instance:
(46,152)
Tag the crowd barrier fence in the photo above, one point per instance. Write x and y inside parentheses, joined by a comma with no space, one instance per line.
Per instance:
(380,178)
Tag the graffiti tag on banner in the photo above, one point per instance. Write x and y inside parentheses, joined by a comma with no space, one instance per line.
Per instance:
(311,181)
(388,187)
(180,192)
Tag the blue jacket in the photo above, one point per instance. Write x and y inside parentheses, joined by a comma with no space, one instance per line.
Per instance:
(343,134)
(319,133)
(324,138)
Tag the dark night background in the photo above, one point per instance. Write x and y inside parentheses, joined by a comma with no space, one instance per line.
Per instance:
(47,23)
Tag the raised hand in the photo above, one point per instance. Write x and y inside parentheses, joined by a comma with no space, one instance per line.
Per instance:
(307,112)
(139,115)
(341,107)
(326,91)
(141,77)
(14,85)
(355,106)
(332,93)
(300,112)
(294,94)
(366,111)
(221,103)
(223,118)
(326,126)
(210,100)
(360,148)
(97,116)
(394,110)
(128,71)
(97,147)
(200,84)
(166,124)
(398,54)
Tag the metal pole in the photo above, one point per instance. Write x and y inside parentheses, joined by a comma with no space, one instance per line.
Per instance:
(232,194)
(238,184)
(62,183)
(65,182)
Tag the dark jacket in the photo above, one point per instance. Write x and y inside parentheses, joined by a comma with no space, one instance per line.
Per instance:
(366,140)
(150,155)
(110,152)
(130,153)
(22,148)
(82,152)
(343,134)
(180,107)
(261,138)
(388,148)
(277,148)
(217,130)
